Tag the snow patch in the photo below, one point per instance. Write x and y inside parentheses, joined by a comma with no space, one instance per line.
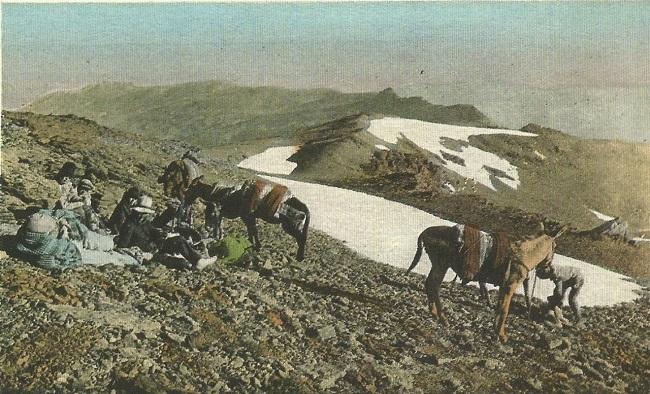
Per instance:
(272,161)
(382,147)
(387,232)
(602,216)
(430,136)
(541,156)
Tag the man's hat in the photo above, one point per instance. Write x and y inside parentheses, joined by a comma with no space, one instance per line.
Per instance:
(144,204)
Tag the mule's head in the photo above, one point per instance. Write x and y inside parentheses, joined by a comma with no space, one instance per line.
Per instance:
(552,245)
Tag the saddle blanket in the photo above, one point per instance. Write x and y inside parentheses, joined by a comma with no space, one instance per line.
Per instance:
(475,247)
(268,197)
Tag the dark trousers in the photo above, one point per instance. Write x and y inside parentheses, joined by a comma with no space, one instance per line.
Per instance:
(181,246)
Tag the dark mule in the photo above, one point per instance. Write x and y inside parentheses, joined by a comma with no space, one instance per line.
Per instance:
(123,208)
(506,265)
(261,199)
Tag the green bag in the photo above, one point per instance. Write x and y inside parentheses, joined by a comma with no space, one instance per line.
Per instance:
(231,248)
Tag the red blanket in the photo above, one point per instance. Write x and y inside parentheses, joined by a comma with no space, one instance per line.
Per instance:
(265,206)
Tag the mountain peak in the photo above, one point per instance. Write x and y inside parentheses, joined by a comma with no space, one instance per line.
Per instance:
(388,92)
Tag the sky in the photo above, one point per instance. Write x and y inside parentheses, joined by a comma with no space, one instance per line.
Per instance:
(580,67)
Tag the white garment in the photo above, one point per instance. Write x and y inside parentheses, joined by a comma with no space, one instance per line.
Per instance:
(97,258)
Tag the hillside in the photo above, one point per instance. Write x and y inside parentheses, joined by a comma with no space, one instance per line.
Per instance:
(561,179)
(561,176)
(337,322)
(217,113)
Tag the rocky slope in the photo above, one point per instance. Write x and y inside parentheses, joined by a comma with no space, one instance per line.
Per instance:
(336,322)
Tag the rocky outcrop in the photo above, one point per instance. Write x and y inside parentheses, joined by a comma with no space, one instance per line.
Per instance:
(616,229)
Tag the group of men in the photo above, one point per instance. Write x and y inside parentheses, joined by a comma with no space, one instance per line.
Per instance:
(73,233)
(168,234)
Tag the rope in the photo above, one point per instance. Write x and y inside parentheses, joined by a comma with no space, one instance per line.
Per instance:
(533,292)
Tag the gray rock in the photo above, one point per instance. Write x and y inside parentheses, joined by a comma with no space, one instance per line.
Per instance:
(323,332)
(572,370)
(505,349)
(535,384)
(491,363)
(592,372)
(175,337)
(453,382)
(331,378)
(237,363)
(550,342)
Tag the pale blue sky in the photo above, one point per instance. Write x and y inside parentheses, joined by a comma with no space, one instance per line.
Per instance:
(442,51)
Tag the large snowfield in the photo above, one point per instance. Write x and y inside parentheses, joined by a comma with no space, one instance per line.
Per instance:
(272,161)
(430,136)
(387,231)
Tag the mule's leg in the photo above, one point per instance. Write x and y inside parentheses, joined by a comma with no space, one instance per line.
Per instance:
(219,227)
(290,227)
(295,221)
(527,297)
(432,286)
(573,301)
(251,228)
(483,291)
(517,276)
(505,296)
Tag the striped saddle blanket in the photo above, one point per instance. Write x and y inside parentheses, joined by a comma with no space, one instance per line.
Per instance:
(483,254)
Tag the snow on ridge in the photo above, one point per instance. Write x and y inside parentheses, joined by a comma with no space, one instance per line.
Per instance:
(429,136)
(387,232)
(272,161)
(602,216)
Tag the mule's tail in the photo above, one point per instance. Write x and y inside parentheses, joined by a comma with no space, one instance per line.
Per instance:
(418,253)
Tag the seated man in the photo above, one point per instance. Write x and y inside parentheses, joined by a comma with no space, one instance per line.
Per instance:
(85,208)
(67,180)
(140,230)
(565,278)
(57,240)
(123,208)
(41,242)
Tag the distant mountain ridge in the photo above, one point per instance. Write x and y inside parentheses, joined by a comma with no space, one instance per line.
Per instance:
(215,113)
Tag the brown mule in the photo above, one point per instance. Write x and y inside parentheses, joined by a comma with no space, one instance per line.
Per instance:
(506,265)
(525,256)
